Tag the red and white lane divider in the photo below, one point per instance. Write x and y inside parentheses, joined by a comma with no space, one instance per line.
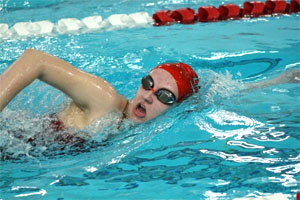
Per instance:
(225,12)
(142,19)
(75,26)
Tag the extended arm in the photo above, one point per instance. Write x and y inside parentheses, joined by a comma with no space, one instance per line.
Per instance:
(289,76)
(87,91)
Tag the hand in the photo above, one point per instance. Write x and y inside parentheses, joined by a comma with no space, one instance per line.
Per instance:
(289,76)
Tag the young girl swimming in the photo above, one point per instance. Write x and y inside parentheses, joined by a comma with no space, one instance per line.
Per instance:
(93,97)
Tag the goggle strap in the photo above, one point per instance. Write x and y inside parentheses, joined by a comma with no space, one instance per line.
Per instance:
(154,91)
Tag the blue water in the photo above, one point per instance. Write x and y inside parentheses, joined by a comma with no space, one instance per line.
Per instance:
(223,143)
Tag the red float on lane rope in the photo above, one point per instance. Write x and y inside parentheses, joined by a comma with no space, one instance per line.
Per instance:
(229,11)
(184,15)
(208,14)
(254,8)
(295,6)
(275,6)
(162,17)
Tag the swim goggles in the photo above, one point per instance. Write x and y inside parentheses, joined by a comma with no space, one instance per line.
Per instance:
(163,95)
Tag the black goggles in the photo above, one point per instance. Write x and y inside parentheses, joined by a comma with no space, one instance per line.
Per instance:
(163,95)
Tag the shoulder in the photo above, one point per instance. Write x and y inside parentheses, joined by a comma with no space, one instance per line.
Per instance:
(104,97)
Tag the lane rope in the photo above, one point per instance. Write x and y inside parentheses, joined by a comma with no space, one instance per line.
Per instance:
(251,9)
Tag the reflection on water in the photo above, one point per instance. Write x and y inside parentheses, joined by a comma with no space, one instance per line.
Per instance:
(223,124)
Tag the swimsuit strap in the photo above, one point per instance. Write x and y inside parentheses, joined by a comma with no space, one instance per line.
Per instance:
(124,116)
(124,111)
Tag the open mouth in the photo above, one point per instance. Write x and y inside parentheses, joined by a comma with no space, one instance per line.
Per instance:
(140,110)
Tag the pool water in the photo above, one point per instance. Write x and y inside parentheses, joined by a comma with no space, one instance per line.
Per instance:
(222,143)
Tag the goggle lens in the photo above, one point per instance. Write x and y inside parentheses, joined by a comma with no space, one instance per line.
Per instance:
(147,83)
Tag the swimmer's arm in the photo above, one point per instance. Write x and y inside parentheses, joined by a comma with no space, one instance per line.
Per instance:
(89,93)
(289,76)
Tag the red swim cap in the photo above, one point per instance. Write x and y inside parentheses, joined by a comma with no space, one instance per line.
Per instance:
(186,78)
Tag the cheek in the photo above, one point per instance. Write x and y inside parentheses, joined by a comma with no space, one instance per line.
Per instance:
(158,108)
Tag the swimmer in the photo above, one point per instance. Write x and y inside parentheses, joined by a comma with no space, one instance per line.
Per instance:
(93,97)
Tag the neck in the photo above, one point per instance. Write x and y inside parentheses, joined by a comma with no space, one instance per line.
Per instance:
(124,114)
(126,111)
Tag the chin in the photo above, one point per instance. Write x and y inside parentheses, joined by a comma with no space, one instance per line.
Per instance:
(138,120)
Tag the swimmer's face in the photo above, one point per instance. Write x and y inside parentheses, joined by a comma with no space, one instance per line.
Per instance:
(145,105)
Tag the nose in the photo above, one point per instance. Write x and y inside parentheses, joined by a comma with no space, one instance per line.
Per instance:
(148,97)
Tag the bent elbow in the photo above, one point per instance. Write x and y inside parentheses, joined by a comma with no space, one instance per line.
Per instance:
(30,51)
(32,59)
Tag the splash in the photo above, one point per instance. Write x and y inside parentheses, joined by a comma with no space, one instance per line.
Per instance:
(215,87)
